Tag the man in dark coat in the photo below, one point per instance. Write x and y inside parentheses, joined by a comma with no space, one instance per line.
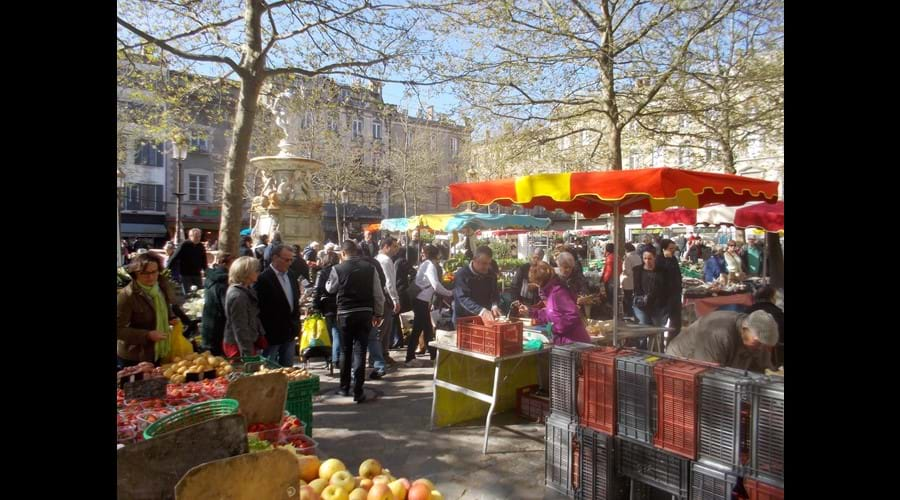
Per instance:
(279,306)
(190,257)
(475,291)
(668,265)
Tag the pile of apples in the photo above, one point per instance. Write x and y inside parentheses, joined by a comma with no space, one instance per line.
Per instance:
(330,480)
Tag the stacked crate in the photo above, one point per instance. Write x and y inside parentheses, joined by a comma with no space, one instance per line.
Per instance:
(636,397)
(767,436)
(560,467)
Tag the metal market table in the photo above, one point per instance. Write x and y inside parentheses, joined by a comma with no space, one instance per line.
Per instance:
(445,351)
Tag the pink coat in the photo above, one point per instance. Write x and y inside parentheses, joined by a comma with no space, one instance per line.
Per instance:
(562,311)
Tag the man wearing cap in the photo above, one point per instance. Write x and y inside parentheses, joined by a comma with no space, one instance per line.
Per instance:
(729,338)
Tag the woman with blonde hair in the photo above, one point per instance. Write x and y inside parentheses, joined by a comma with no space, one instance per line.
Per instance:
(560,308)
(244,333)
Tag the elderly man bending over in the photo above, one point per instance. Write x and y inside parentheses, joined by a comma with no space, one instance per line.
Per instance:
(732,339)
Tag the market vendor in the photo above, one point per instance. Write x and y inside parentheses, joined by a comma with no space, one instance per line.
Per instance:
(144,310)
(475,291)
(715,266)
(729,338)
(523,289)
(560,307)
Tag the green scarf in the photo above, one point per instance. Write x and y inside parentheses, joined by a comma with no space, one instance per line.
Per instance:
(161,348)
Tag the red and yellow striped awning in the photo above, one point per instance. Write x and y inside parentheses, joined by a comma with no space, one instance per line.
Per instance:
(596,193)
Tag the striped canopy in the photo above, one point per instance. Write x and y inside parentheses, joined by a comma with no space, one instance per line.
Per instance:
(597,193)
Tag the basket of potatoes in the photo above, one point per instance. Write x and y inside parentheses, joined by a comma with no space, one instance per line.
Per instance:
(194,367)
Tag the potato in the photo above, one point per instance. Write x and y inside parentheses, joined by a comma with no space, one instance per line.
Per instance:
(176,359)
(181,370)
(168,373)
(227,368)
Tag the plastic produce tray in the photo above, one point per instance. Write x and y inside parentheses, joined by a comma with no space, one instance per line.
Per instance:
(708,483)
(767,439)
(501,339)
(636,397)
(597,388)
(558,462)
(531,406)
(723,424)
(565,361)
(597,477)
(657,468)
(677,387)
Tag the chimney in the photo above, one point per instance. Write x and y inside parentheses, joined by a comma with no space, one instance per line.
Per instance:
(375,88)
(429,112)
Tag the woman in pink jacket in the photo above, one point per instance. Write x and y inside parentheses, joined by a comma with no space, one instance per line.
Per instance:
(559,309)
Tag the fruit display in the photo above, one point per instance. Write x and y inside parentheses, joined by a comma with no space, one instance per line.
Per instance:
(145,369)
(287,433)
(330,480)
(135,416)
(598,328)
(200,364)
(293,374)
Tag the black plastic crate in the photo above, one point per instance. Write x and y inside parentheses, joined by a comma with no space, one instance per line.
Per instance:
(558,464)
(724,419)
(565,361)
(597,477)
(708,483)
(636,397)
(662,470)
(767,440)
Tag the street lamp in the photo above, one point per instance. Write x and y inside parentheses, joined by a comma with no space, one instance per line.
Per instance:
(120,186)
(344,215)
(179,153)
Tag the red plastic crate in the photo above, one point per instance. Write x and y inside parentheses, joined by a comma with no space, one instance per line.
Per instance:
(597,389)
(762,491)
(678,391)
(531,406)
(501,339)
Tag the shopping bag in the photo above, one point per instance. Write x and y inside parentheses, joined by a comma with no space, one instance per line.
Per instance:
(320,338)
(308,330)
(180,346)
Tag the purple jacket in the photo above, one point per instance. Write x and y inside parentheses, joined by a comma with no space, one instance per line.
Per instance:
(562,311)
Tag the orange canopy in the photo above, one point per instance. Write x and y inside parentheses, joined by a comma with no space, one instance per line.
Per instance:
(596,193)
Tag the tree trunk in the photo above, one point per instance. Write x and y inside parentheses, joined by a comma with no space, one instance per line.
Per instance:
(337,219)
(242,130)
(236,166)
(728,157)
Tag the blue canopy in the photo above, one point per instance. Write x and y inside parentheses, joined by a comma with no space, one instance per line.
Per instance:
(401,224)
(246,232)
(478,221)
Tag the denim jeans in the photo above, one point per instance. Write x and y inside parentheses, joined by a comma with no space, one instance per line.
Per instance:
(354,333)
(282,354)
(655,318)
(376,352)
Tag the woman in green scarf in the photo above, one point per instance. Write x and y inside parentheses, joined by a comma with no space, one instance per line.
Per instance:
(144,310)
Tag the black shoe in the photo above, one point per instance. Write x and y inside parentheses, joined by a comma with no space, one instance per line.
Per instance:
(360,399)
(376,374)
(343,392)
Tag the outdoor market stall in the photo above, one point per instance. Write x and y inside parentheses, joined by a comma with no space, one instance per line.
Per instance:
(596,193)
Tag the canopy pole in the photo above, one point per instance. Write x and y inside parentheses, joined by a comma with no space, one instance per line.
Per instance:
(616,272)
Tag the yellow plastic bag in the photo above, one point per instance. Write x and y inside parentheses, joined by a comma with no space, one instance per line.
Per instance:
(321,337)
(180,346)
(309,328)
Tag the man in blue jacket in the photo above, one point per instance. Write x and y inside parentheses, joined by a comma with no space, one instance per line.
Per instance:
(475,291)
(715,266)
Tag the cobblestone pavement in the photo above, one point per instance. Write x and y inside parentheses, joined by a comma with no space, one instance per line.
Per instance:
(393,427)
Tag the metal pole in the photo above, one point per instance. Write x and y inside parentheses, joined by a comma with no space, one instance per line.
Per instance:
(616,272)
(179,232)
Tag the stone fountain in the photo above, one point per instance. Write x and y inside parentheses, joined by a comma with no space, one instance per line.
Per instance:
(287,202)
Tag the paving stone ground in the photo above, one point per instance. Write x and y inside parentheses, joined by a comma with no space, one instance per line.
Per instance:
(393,427)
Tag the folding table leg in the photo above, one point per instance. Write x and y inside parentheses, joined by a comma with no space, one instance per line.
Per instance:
(487,424)
(437,363)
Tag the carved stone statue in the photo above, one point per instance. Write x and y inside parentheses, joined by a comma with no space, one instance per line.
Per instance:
(289,121)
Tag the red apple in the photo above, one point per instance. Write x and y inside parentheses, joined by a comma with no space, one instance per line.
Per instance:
(419,491)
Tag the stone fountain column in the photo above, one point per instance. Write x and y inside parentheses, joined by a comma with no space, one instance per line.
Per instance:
(287,202)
